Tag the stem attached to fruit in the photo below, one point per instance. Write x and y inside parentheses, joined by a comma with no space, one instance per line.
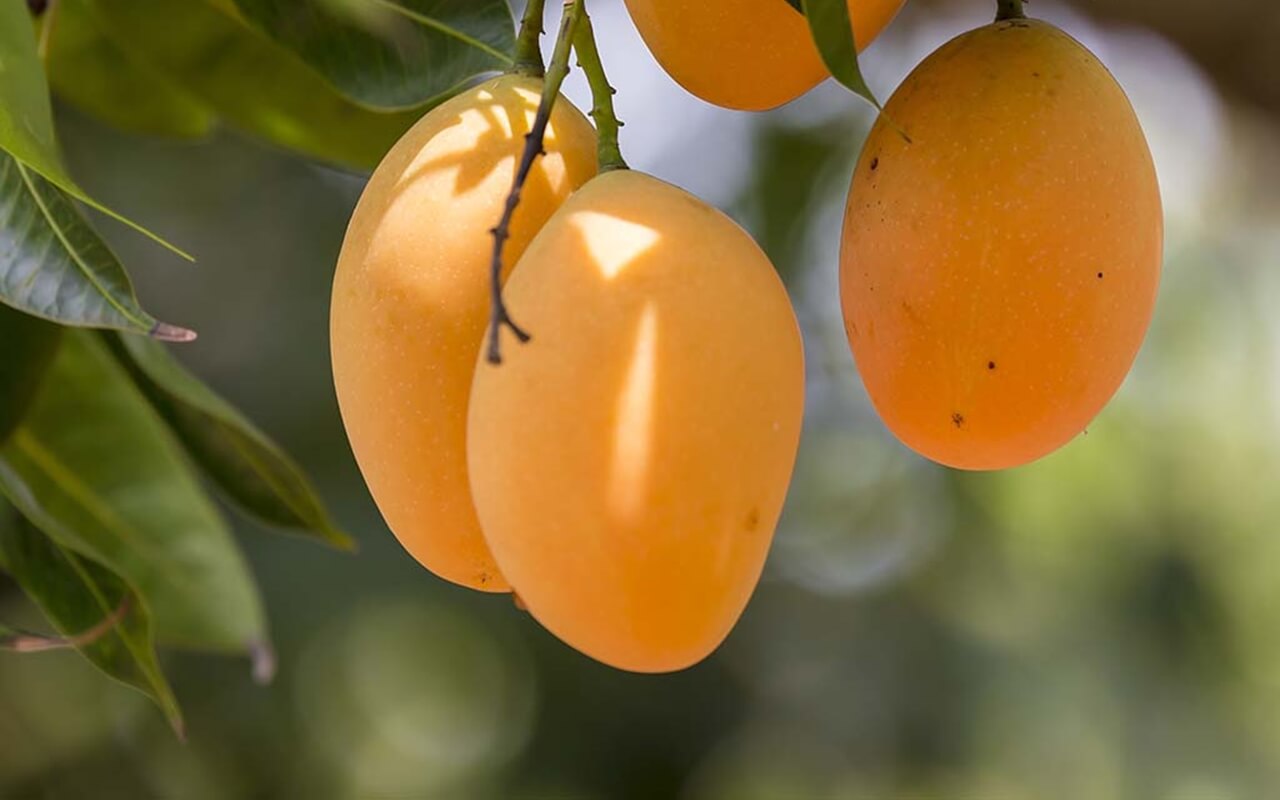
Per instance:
(607,122)
(1009,9)
(528,43)
(533,144)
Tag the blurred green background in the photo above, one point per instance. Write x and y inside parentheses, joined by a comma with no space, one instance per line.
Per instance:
(1101,624)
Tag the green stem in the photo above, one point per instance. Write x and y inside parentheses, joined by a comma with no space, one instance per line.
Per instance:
(1009,9)
(499,317)
(559,68)
(528,43)
(607,122)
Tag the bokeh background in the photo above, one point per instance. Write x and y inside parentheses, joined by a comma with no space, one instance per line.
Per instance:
(1102,624)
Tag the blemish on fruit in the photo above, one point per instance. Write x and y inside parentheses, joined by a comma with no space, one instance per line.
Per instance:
(753,520)
(957,419)
(991,365)
(1099,275)
(875,162)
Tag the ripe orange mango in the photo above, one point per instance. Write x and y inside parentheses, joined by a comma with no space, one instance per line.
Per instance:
(630,463)
(411,301)
(999,267)
(749,55)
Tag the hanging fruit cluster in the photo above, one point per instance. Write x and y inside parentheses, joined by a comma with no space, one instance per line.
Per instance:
(624,472)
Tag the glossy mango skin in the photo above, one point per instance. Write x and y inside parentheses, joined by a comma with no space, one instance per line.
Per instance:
(411,302)
(749,55)
(630,463)
(999,270)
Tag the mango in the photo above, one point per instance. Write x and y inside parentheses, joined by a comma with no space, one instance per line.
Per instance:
(748,55)
(410,305)
(1002,247)
(629,464)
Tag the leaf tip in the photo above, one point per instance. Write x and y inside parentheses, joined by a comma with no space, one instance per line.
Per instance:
(263,658)
(341,540)
(171,333)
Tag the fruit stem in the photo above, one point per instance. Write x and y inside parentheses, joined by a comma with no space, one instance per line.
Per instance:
(607,122)
(533,144)
(528,42)
(1009,9)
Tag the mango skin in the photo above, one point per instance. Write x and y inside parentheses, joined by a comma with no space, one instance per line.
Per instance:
(999,271)
(411,303)
(630,463)
(749,55)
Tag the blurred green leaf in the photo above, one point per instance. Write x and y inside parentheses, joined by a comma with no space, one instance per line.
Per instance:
(251,469)
(95,469)
(833,34)
(391,53)
(796,170)
(250,82)
(53,264)
(26,118)
(89,70)
(96,612)
(29,345)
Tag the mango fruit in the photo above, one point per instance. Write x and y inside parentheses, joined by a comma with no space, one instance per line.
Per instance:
(410,305)
(748,55)
(1002,247)
(630,463)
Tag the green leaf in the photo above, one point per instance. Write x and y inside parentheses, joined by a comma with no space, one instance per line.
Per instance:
(250,82)
(94,468)
(833,34)
(29,345)
(53,265)
(250,468)
(93,609)
(391,53)
(90,71)
(26,118)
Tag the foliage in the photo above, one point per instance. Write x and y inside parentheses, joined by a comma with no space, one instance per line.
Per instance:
(79,595)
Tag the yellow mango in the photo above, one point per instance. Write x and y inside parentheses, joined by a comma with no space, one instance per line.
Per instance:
(749,55)
(999,268)
(630,463)
(411,303)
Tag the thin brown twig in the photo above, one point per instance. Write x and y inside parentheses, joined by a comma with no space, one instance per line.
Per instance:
(499,317)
